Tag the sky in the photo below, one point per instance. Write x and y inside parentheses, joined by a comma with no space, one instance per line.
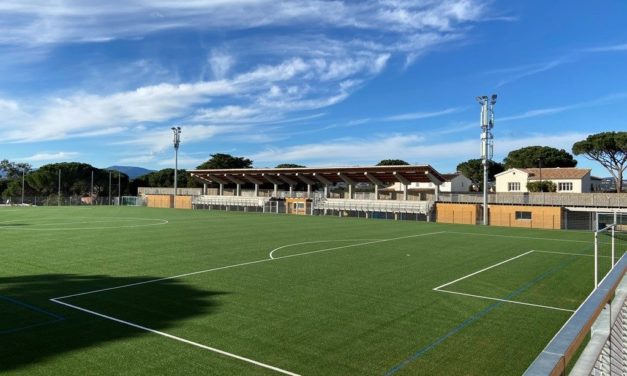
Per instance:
(311,82)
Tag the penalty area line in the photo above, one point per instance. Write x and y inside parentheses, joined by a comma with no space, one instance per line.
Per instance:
(506,300)
(173,337)
(440,288)
(482,270)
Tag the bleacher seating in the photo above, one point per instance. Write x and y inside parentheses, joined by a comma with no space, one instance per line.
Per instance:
(417,207)
(230,200)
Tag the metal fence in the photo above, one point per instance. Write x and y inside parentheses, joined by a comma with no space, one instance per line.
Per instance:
(603,200)
(55,200)
(591,220)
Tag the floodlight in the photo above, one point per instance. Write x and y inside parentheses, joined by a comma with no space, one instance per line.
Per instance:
(177,141)
(487,122)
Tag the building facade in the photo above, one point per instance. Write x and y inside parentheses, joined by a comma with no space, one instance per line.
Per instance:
(453,183)
(566,180)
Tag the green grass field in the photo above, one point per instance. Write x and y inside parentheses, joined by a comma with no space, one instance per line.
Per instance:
(338,296)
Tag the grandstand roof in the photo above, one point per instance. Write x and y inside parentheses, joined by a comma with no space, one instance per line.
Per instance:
(382,175)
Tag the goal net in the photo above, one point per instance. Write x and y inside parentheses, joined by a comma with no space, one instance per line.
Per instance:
(131,201)
(610,242)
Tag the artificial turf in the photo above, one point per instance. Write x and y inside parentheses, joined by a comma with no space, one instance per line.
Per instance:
(341,297)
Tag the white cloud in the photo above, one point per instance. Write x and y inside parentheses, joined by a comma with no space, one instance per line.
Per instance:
(605,100)
(58,156)
(221,64)
(517,73)
(410,147)
(40,22)
(8,105)
(608,48)
(89,114)
(421,115)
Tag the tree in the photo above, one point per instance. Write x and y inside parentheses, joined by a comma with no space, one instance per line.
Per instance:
(609,149)
(289,165)
(473,170)
(220,160)
(75,180)
(14,170)
(536,156)
(392,162)
(541,186)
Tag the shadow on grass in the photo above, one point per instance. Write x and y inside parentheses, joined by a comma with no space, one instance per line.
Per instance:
(34,329)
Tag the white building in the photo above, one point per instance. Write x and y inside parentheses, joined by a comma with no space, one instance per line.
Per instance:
(567,179)
(453,183)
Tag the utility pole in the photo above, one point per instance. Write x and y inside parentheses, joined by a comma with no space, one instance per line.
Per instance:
(540,166)
(177,141)
(487,144)
(23,172)
(109,187)
(59,201)
(91,193)
(119,188)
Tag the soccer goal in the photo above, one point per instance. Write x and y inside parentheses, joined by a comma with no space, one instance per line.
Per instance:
(131,201)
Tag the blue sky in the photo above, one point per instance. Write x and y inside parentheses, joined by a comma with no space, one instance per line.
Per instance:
(311,82)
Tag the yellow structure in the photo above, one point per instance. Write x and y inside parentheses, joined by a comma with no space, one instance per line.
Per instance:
(545,217)
(457,213)
(183,202)
(527,216)
(298,206)
(169,201)
(159,201)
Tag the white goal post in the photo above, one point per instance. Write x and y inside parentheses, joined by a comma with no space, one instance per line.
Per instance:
(612,230)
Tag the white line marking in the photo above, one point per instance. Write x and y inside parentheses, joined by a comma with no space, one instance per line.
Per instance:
(315,242)
(357,245)
(507,301)
(482,270)
(569,254)
(166,278)
(243,264)
(213,349)
(519,237)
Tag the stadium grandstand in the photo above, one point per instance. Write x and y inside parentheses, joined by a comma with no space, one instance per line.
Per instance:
(344,191)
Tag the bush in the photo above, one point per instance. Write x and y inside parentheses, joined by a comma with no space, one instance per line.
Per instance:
(541,186)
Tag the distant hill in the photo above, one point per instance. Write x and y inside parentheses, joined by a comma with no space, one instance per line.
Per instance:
(131,171)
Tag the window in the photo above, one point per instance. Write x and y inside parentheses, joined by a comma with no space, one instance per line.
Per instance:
(564,186)
(523,215)
(513,187)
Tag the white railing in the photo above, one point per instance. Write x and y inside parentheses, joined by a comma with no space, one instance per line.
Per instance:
(418,207)
(230,200)
(603,200)
(142,191)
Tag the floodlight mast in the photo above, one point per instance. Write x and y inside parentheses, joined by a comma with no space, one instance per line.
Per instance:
(177,142)
(487,144)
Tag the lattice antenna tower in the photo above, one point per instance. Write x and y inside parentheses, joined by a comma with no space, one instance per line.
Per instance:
(487,144)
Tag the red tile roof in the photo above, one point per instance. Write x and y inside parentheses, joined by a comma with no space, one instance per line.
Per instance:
(557,173)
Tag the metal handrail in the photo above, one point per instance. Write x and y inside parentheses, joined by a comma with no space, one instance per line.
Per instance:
(561,349)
